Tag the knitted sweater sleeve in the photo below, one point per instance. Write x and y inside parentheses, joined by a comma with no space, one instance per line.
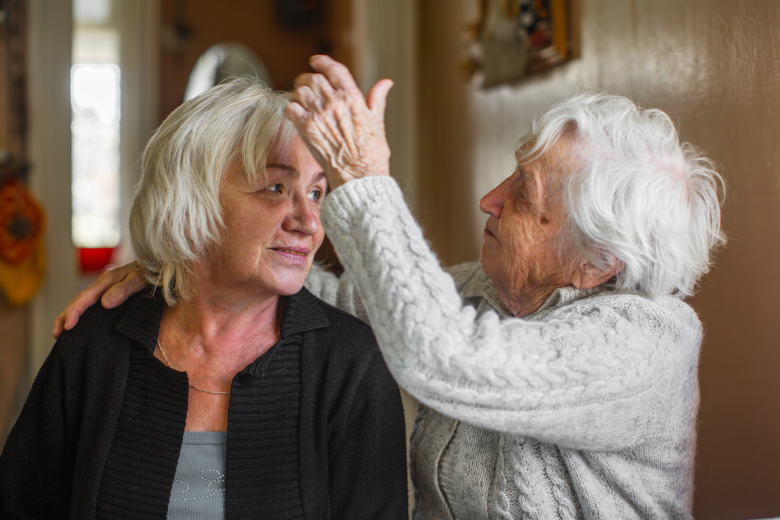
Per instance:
(338,291)
(590,380)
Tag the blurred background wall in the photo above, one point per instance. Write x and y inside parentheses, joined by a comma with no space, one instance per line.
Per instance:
(712,64)
(14,319)
(189,28)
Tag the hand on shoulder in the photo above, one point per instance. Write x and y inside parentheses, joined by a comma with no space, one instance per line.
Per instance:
(112,288)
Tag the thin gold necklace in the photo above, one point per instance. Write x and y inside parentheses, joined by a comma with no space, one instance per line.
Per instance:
(191,385)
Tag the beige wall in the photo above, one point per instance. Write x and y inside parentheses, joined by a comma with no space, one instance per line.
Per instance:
(714,65)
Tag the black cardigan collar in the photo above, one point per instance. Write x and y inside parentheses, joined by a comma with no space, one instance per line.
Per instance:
(141,322)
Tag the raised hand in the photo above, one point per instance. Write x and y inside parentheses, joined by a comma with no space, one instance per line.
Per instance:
(112,288)
(344,131)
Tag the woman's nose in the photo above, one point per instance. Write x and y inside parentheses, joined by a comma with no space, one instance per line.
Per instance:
(304,218)
(493,202)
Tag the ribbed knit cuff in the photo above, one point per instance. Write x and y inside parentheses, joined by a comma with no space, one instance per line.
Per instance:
(358,197)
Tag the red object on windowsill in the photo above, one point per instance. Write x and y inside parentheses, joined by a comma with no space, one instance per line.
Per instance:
(94,259)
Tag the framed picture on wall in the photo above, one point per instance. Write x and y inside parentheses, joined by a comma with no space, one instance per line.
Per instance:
(516,38)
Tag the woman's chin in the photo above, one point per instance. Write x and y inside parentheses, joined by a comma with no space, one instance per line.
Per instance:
(268,283)
(484,260)
(290,281)
(289,290)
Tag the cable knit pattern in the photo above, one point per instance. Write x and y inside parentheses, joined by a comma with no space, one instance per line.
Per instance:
(594,395)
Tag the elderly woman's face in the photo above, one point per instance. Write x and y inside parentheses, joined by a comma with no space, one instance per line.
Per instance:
(521,245)
(272,230)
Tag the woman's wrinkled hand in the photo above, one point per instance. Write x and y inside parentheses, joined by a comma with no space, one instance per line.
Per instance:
(344,131)
(112,288)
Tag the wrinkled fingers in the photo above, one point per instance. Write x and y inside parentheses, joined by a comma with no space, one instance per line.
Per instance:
(318,83)
(336,73)
(306,97)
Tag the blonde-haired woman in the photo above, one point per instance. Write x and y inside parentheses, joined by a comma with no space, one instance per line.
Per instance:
(225,389)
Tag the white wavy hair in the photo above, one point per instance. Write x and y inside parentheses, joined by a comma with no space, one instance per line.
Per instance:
(641,197)
(176,215)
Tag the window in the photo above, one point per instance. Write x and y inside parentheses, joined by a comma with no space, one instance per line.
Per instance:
(95,102)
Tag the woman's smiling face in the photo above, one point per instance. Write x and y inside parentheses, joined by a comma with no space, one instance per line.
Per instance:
(272,228)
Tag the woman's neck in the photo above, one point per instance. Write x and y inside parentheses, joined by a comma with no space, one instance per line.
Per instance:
(221,324)
(529,301)
(212,337)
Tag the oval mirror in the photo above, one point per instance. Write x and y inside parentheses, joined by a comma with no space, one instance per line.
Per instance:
(221,61)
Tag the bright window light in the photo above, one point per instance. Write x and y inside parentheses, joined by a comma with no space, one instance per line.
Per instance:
(95,98)
(95,129)
(92,11)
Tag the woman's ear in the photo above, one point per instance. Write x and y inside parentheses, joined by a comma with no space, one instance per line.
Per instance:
(587,276)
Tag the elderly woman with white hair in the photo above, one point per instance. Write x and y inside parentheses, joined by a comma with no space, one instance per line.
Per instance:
(224,390)
(562,381)
(557,378)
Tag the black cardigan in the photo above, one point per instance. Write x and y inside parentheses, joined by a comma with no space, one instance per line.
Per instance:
(315,425)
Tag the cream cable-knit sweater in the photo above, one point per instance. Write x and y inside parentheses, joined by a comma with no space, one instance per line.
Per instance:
(585,409)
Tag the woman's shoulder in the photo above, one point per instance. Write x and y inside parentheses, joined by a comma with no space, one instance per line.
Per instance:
(666,317)
(100,332)
(661,309)
(341,351)
(349,331)
(332,337)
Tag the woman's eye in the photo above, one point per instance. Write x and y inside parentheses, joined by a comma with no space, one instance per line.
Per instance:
(520,187)
(275,188)
(315,195)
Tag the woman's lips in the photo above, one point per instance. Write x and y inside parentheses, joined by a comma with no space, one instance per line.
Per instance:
(297,256)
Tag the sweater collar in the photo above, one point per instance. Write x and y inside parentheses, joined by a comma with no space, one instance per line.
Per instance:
(562,297)
(141,321)
(479,285)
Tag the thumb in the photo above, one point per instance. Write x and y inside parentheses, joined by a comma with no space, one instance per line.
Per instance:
(377,98)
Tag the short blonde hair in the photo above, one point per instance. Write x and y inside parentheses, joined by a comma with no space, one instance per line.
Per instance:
(176,215)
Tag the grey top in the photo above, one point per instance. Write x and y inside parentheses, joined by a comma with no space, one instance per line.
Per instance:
(199,486)
(583,410)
